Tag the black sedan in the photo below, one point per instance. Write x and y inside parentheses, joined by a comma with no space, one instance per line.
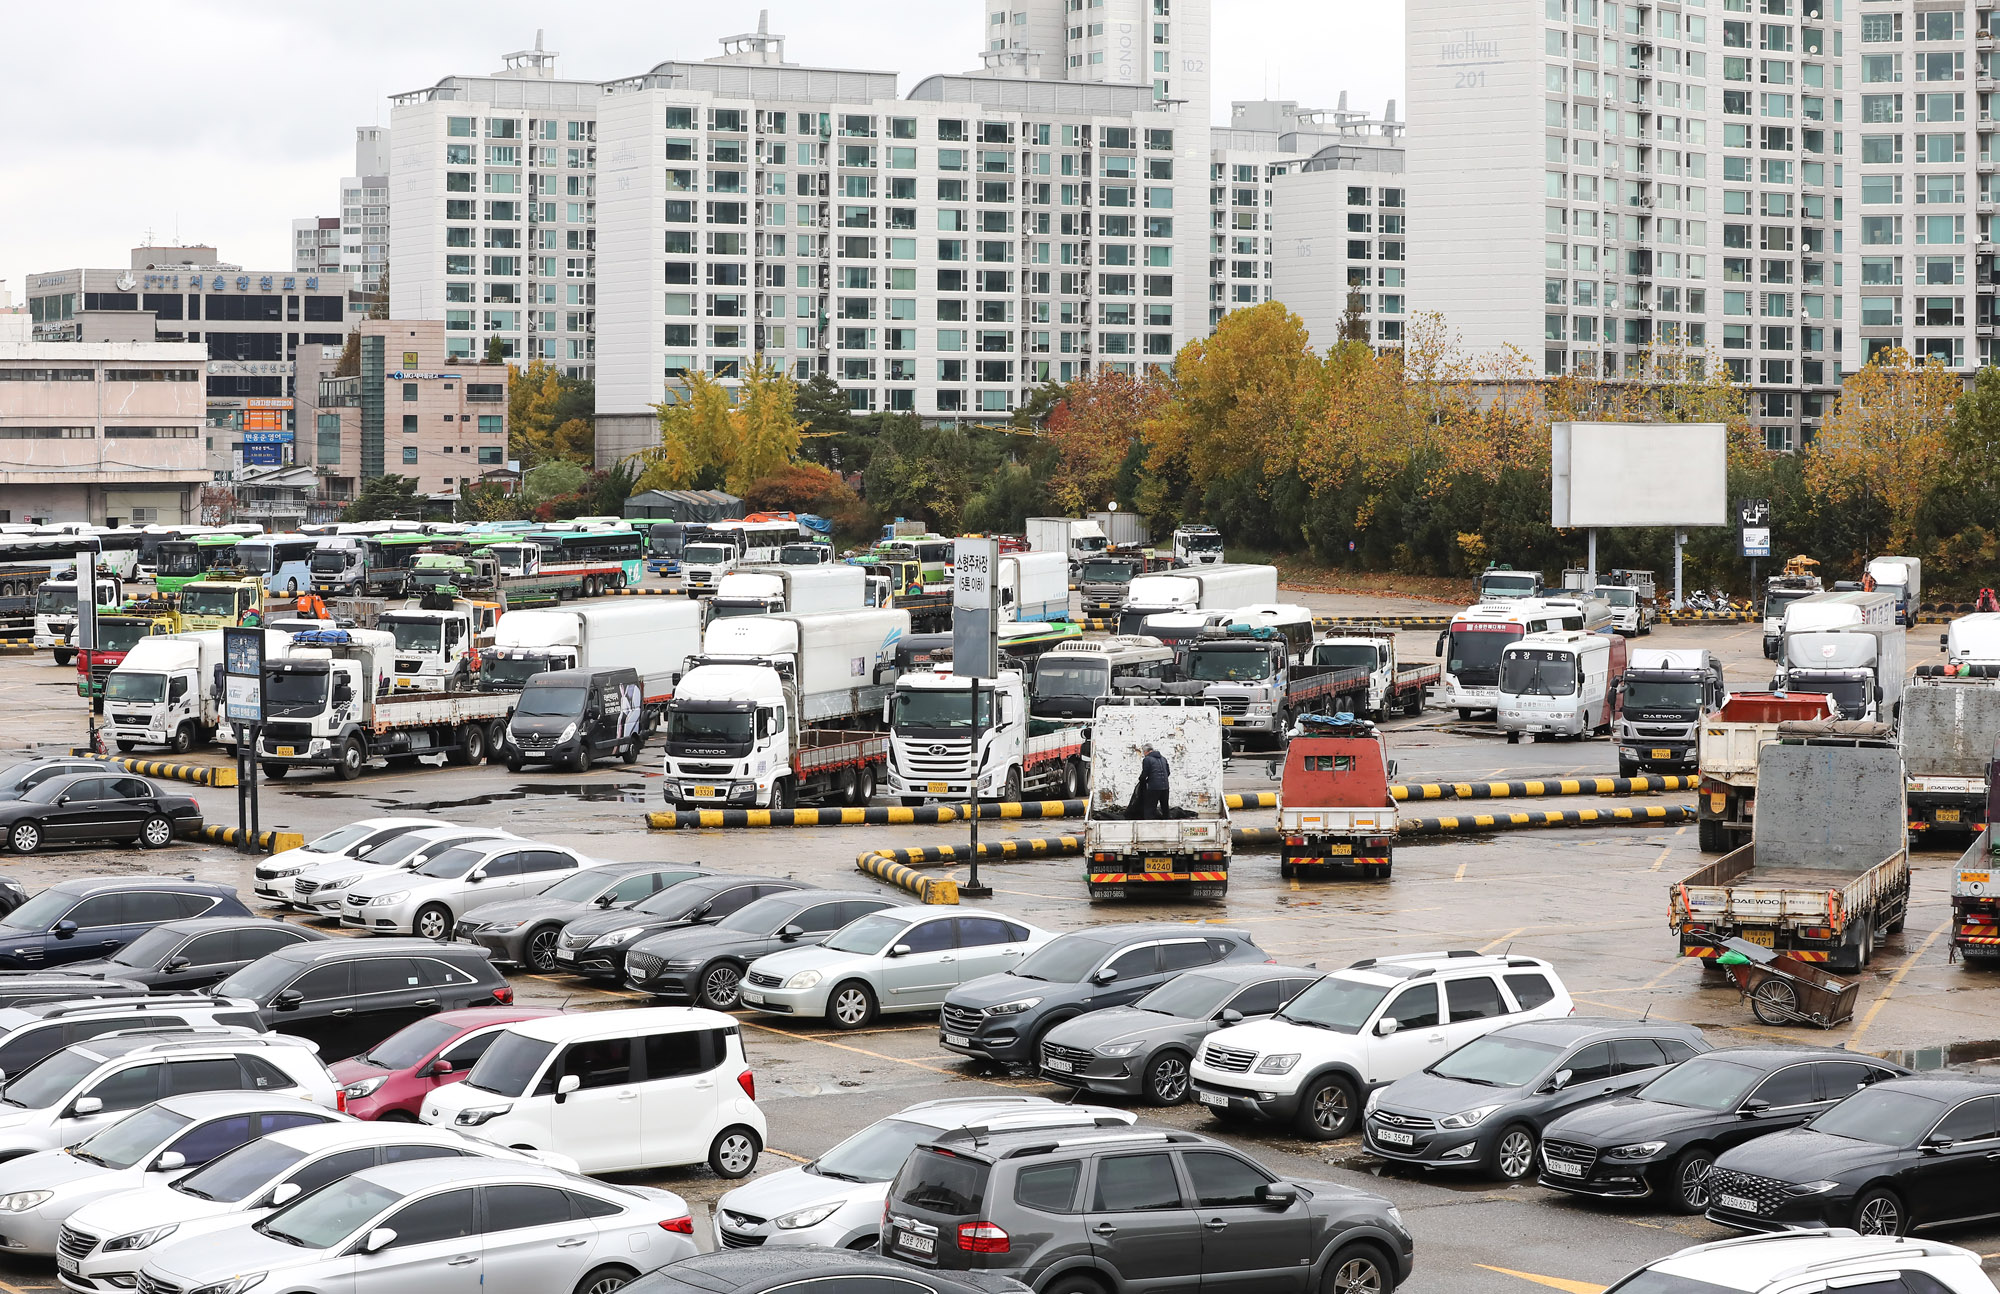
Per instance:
(1912,1153)
(704,964)
(1662,1140)
(1484,1105)
(596,944)
(524,931)
(182,956)
(92,806)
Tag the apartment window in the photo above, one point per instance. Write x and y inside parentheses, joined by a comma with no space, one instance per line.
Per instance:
(409,455)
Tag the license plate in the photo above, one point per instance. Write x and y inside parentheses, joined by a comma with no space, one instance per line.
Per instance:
(935,788)
(957,1040)
(67,1265)
(285,750)
(753,998)
(1159,864)
(1974,878)
(402,682)
(1340,849)
(1059,1066)
(1762,938)
(1228,721)
(702,792)
(1388,1138)
(1563,1168)
(1662,754)
(1216,1099)
(1947,815)
(1737,1202)
(916,1244)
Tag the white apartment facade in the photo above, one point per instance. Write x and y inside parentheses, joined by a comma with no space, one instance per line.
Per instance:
(355,242)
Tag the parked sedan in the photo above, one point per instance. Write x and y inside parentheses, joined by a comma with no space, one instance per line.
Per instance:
(1143,1050)
(1904,1154)
(449,1226)
(91,917)
(321,889)
(524,931)
(182,956)
(429,899)
(89,807)
(144,1149)
(704,964)
(346,995)
(272,879)
(391,1079)
(900,959)
(18,779)
(596,944)
(1663,1139)
(1484,1105)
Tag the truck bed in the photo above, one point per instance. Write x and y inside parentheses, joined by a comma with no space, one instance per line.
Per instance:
(1734,890)
(433,708)
(1156,835)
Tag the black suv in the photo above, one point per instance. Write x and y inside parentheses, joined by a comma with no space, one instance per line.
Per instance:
(94,916)
(1135,1210)
(349,994)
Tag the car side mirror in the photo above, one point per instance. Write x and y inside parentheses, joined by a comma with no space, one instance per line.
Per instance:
(791,933)
(378,1239)
(289,1000)
(1278,1195)
(568,1083)
(1230,1015)
(168,1162)
(605,900)
(1103,975)
(1387,1025)
(1755,1109)
(177,963)
(1936,1145)
(64,929)
(439,1068)
(1560,1080)
(901,950)
(286,1193)
(479,875)
(86,1105)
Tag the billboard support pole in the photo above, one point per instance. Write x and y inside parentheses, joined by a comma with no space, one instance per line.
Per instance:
(1680,537)
(1592,562)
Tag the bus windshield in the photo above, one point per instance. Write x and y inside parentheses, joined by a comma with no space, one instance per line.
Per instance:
(180,559)
(1071,678)
(257,558)
(1472,652)
(1535,671)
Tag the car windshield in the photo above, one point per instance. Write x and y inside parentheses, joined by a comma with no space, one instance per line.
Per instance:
(324,1218)
(406,1047)
(132,1138)
(401,850)
(416,635)
(1345,655)
(1643,695)
(40,912)
(208,602)
(1497,1061)
(509,1065)
(579,887)
(49,1080)
(1534,671)
(1201,543)
(1619,597)
(1191,997)
(1230,665)
(868,936)
(1655,1282)
(451,864)
(873,1154)
(259,980)
(939,708)
(1063,960)
(1342,1005)
(762,917)
(337,840)
(705,554)
(48,789)
(1885,1116)
(726,727)
(142,689)
(151,948)
(231,1177)
(551,702)
(1054,677)
(1704,1083)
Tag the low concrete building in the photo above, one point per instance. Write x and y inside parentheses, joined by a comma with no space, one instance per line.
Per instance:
(426,415)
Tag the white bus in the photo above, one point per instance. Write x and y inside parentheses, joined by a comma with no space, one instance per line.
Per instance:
(1470,648)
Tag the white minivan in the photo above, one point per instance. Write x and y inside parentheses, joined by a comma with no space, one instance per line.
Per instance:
(1563,683)
(656,1087)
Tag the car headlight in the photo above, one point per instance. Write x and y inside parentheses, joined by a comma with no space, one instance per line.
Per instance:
(502,927)
(22,1201)
(1374,1099)
(482,1114)
(366,1087)
(1278,1063)
(1637,1150)
(1118,1049)
(141,1239)
(623,934)
(804,979)
(340,882)
(384,900)
(234,1285)
(810,1217)
(684,963)
(1811,1188)
(278,872)
(567,733)
(1015,1007)
(1467,1118)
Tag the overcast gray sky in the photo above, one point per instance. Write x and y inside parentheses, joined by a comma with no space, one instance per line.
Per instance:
(220,121)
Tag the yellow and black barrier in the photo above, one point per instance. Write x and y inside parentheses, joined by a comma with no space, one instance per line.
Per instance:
(1535,789)
(1254,800)
(199,774)
(871,816)
(1650,815)
(17,642)
(931,889)
(629,592)
(271,842)
(989,851)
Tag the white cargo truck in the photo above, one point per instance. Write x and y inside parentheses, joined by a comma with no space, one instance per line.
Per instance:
(768,590)
(654,636)
(1123,529)
(1198,546)
(932,752)
(1861,667)
(1034,586)
(1185,854)
(1204,588)
(1075,538)
(164,693)
(1902,578)
(1972,639)
(433,646)
(55,612)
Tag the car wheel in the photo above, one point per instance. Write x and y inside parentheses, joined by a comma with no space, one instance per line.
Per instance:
(1513,1155)
(157,833)
(850,1006)
(433,922)
(1358,1269)
(1327,1110)
(734,1152)
(1167,1079)
(722,986)
(541,949)
(1880,1213)
(604,1280)
(1688,1191)
(1075,1283)
(24,837)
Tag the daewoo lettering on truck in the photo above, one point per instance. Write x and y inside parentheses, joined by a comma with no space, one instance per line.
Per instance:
(933,753)
(1335,813)
(1665,695)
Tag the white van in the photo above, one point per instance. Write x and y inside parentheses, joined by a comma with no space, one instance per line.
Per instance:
(1559,684)
(617,1091)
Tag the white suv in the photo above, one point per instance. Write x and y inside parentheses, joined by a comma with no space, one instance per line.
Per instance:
(1809,1262)
(1354,1030)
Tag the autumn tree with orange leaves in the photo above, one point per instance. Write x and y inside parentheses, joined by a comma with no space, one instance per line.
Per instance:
(1093,428)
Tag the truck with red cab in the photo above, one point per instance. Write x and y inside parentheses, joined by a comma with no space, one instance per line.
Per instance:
(1335,812)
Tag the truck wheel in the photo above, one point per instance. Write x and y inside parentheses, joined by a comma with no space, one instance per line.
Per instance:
(1708,833)
(850,787)
(65,657)
(1073,780)
(867,778)
(1513,739)
(1855,952)
(784,794)
(579,760)
(352,759)
(1010,793)
(183,739)
(471,744)
(1464,715)
(912,801)
(125,747)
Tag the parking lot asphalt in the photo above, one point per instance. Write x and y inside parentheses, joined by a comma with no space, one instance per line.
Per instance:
(1592,901)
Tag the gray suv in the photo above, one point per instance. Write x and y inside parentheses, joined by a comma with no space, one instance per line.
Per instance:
(1135,1210)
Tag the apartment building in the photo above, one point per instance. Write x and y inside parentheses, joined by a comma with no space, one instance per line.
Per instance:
(355,242)
(316,245)
(1636,182)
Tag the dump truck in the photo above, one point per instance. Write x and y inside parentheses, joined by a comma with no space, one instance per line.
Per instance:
(1827,871)
(1730,740)
(1185,854)
(1951,722)
(1335,813)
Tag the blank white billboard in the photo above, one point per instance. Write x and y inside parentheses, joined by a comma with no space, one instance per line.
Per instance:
(1638,474)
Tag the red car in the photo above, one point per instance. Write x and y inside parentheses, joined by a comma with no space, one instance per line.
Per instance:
(391,1079)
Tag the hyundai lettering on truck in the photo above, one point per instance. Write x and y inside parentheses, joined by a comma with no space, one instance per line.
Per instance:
(1183,855)
(1335,813)
(935,745)
(1666,695)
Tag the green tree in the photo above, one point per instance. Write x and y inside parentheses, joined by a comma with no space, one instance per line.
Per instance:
(496,350)
(386,498)
(834,438)
(550,415)
(552,480)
